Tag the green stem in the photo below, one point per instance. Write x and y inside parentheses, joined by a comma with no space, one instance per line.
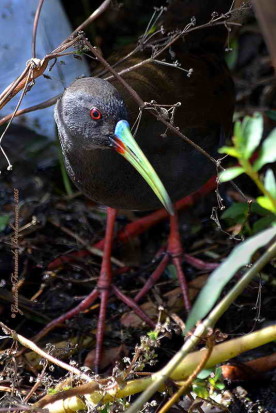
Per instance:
(255,177)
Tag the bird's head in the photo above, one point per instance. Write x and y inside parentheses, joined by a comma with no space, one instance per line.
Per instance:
(91,114)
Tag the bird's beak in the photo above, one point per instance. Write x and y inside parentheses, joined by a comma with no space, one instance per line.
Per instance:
(125,144)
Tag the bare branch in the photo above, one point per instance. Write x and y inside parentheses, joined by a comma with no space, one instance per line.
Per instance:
(92,17)
(35,25)
(42,105)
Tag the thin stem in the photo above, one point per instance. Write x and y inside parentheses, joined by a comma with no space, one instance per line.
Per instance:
(184,388)
(32,346)
(11,119)
(255,177)
(36,19)
(132,92)
(39,106)
(90,19)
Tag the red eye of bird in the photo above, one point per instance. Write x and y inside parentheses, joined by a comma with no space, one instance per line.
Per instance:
(95,114)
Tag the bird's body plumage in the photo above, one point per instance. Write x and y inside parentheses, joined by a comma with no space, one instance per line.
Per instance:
(92,118)
(205,115)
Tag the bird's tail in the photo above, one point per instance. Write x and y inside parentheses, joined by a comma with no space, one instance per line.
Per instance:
(211,38)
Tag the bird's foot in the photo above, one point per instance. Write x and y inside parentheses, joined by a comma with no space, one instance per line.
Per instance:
(174,253)
(103,289)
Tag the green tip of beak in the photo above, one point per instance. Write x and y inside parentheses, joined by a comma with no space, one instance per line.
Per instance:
(126,145)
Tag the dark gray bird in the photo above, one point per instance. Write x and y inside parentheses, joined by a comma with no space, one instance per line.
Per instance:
(93,118)
(92,122)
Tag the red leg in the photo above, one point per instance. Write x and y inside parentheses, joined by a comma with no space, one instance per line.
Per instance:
(103,290)
(104,282)
(199,264)
(176,251)
(83,305)
(153,278)
(132,304)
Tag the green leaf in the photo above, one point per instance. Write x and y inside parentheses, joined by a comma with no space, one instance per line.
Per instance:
(264,222)
(4,220)
(204,373)
(239,210)
(238,258)
(247,135)
(200,391)
(252,130)
(229,150)
(220,386)
(257,209)
(238,136)
(271,114)
(266,203)
(268,151)
(270,183)
(230,173)
(212,381)
(218,374)
(236,210)
(153,335)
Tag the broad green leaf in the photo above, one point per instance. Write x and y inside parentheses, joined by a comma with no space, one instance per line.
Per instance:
(201,391)
(252,130)
(266,203)
(238,258)
(236,210)
(204,373)
(268,151)
(270,183)
(4,220)
(257,209)
(230,173)
(229,150)
(240,209)
(264,222)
